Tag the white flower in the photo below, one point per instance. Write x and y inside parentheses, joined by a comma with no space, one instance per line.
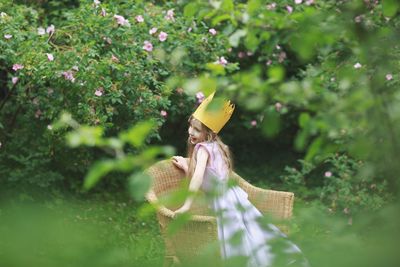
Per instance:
(153,30)
(50,29)
(222,61)
(50,57)
(41,31)
(357,65)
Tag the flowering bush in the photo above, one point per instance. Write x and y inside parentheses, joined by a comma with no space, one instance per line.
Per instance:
(107,64)
(343,184)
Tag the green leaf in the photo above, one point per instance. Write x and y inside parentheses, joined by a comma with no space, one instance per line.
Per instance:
(271,123)
(217,69)
(253,6)
(139,185)
(313,149)
(234,39)
(390,7)
(304,118)
(177,223)
(251,41)
(85,135)
(276,74)
(190,10)
(137,134)
(227,5)
(220,18)
(97,171)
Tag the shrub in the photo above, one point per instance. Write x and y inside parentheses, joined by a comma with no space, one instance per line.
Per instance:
(102,65)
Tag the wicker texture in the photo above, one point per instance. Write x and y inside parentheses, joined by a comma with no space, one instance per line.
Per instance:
(201,230)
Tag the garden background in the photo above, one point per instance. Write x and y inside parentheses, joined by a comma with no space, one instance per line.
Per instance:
(94,92)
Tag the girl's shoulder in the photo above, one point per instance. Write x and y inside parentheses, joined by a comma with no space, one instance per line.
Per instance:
(205,144)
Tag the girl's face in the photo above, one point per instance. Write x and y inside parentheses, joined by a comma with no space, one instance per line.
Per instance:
(197,133)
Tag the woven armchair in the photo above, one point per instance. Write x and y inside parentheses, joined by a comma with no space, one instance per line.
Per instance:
(201,230)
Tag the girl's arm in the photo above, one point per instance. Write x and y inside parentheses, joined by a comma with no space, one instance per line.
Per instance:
(197,178)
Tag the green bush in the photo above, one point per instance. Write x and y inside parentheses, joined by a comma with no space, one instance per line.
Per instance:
(94,63)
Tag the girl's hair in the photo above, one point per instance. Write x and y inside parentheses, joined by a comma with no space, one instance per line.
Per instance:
(210,136)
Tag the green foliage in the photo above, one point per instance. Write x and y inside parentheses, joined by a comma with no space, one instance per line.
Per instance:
(341,183)
(93,65)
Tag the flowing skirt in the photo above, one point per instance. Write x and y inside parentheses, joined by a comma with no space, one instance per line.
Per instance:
(241,234)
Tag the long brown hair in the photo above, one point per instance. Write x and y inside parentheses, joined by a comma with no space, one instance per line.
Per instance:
(210,136)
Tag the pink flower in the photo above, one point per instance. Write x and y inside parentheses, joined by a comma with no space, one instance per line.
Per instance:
(148,46)
(17,67)
(212,31)
(7,36)
(170,15)
(241,54)
(153,30)
(38,113)
(35,101)
(41,31)
(389,76)
(162,36)
(222,61)
(14,80)
(271,6)
(328,174)
(51,29)
(69,75)
(50,57)
(278,106)
(163,113)
(309,2)
(357,65)
(200,97)
(282,56)
(139,18)
(253,123)
(99,91)
(114,58)
(122,21)
(358,19)
(289,9)
(103,12)
(297,2)
(269,62)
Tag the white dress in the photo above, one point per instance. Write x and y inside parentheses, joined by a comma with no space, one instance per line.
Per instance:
(239,231)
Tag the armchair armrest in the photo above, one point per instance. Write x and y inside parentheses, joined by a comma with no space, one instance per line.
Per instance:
(277,203)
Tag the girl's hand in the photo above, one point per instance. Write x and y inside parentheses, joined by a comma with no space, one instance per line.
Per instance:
(182,209)
(180,162)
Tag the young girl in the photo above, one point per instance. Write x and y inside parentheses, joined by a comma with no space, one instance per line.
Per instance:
(209,164)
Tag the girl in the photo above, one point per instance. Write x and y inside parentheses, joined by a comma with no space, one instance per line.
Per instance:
(209,164)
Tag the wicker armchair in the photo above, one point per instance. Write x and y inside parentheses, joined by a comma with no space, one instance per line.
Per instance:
(201,230)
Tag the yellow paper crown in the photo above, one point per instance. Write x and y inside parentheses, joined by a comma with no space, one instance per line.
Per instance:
(216,118)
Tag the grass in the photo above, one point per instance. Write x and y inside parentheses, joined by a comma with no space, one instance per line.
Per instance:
(90,230)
